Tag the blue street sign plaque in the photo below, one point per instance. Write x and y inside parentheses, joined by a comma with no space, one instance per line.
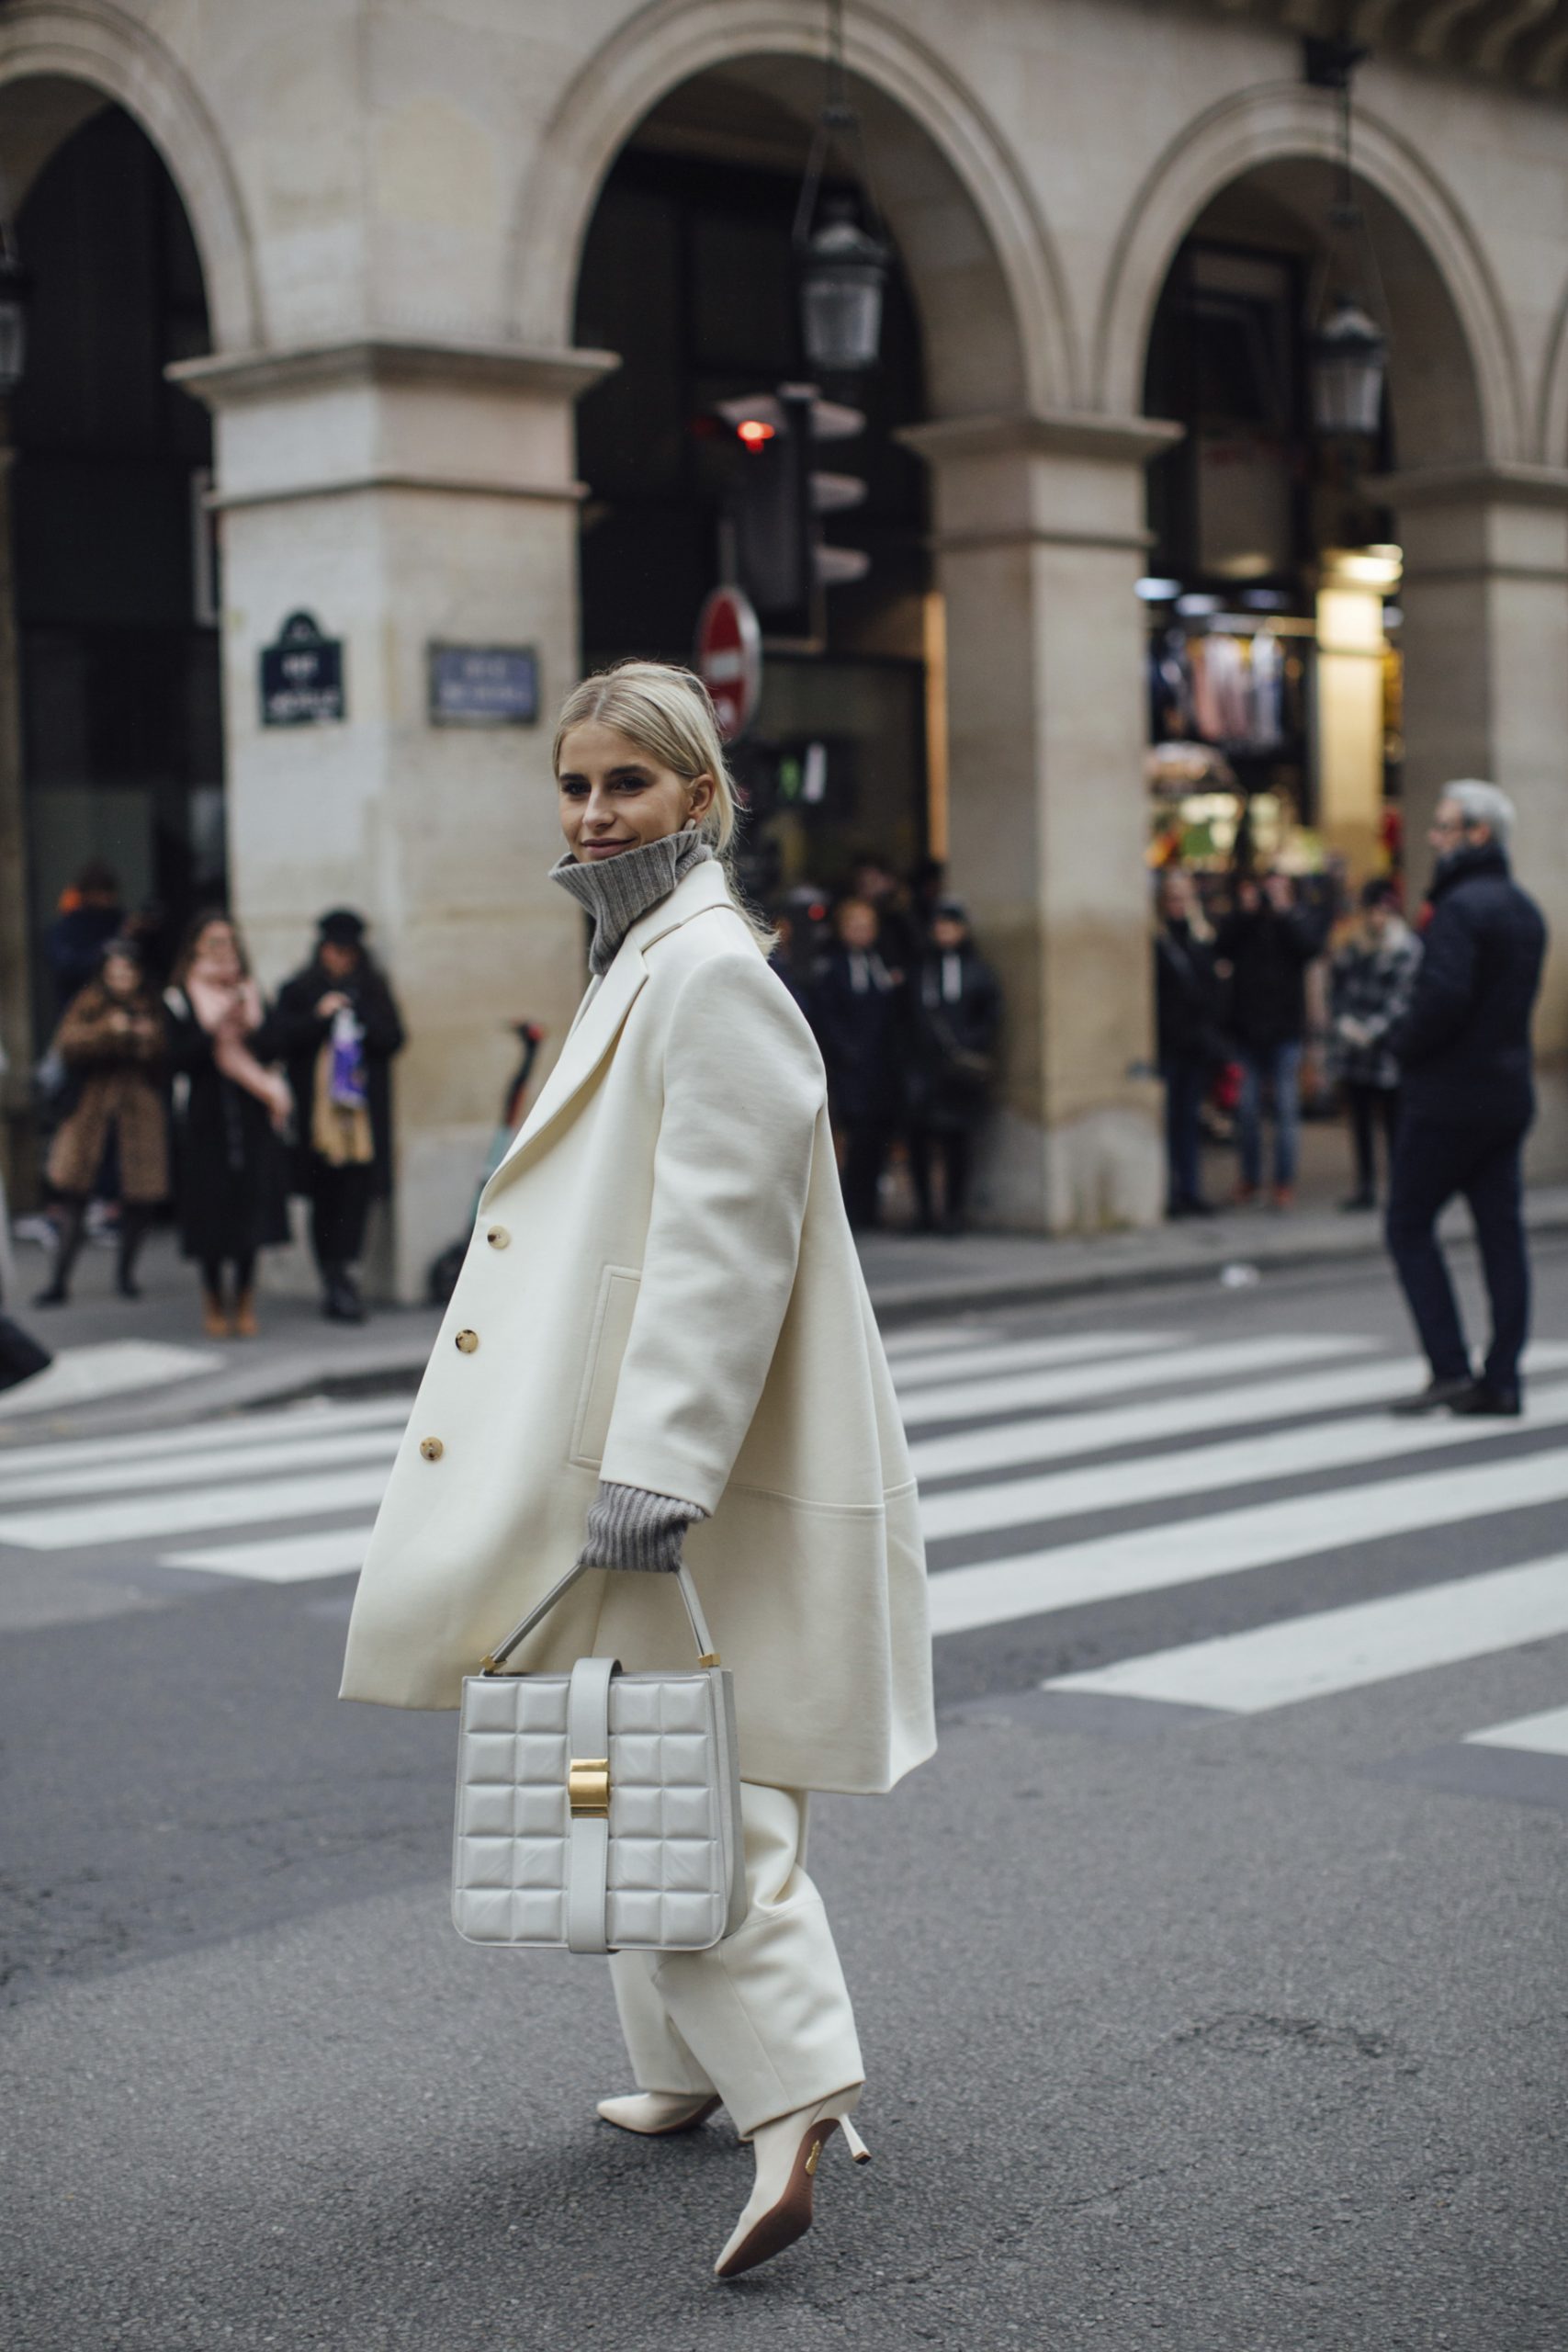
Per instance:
(484,685)
(301,676)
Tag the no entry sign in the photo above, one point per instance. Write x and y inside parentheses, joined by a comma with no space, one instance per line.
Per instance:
(729,658)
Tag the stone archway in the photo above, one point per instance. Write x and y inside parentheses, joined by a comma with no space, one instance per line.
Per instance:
(70,56)
(975,194)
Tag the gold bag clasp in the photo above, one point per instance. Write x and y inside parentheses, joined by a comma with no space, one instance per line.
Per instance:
(588,1786)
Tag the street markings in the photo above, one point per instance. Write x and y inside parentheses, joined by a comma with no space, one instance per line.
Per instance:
(1345,1650)
(1544,1735)
(972,1400)
(1009,1356)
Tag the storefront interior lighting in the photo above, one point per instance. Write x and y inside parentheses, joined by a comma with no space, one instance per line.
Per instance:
(1158,591)
(1197,608)
(843,265)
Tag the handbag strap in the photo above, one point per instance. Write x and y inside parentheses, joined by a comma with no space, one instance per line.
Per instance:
(706,1653)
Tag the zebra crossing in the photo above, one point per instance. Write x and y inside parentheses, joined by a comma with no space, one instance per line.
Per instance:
(1057,1473)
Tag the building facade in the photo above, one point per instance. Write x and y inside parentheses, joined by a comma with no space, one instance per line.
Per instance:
(363,389)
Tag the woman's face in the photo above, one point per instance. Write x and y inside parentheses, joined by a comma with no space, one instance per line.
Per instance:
(217,951)
(857,924)
(121,976)
(615,796)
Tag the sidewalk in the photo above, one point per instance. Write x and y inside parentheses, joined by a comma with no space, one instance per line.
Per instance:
(125,1365)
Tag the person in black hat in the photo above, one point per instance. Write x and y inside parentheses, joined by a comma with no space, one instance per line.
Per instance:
(954,1014)
(337,1027)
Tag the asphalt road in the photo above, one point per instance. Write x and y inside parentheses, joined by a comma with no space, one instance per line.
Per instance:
(1212,2001)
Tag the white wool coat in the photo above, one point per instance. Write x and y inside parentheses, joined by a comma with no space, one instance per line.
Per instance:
(661,1290)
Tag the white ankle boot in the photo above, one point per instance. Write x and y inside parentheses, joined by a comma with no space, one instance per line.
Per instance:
(653,2113)
(779,2208)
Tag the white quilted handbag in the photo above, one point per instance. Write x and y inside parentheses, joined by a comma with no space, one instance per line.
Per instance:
(599,1810)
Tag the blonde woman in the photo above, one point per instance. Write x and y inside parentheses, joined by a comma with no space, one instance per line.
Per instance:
(660,1338)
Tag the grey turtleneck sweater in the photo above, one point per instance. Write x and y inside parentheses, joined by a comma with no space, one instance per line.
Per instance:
(628,1527)
(617,891)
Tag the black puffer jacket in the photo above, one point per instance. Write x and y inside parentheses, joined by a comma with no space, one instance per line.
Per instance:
(1464,1044)
(1268,953)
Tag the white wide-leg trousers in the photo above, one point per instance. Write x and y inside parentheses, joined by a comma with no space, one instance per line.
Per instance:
(764,2018)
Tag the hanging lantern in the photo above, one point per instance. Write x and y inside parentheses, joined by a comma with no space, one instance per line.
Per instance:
(12,317)
(1349,365)
(843,275)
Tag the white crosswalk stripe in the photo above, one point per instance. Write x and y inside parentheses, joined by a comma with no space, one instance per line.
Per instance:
(1345,1650)
(1009,1356)
(1544,1735)
(972,1400)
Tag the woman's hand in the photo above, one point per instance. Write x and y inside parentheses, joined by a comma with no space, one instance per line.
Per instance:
(333,1001)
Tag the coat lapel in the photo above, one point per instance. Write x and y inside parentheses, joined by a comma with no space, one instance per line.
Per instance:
(605,1008)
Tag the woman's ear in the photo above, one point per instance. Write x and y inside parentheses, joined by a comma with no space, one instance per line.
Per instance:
(703,793)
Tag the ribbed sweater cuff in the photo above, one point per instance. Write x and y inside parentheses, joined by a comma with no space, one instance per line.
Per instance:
(629,1527)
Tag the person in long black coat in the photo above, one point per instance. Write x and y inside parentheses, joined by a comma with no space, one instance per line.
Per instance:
(857,1012)
(230,1113)
(1188,1005)
(337,1026)
(1267,943)
(1467,1098)
(955,1010)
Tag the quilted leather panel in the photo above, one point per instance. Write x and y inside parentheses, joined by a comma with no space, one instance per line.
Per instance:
(670,1857)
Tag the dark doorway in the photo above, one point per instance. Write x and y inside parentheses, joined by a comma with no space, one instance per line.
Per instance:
(116,577)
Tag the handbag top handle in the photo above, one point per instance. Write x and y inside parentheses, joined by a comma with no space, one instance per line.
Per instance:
(706,1653)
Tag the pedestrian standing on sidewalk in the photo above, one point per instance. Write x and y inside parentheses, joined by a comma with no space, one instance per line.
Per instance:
(111,1042)
(1369,990)
(337,1027)
(1265,945)
(230,1113)
(955,1009)
(1468,1099)
(661,1332)
(1190,1043)
(858,1014)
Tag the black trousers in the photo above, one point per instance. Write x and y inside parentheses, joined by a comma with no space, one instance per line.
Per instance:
(1371,1107)
(950,1148)
(866,1146)
(340,1206)
(1431,1163)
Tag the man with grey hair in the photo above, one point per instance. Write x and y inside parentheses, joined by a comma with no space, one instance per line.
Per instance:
(1463,1049)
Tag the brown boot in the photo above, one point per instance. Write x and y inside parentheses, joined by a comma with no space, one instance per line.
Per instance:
(214,1315)
(244,1323)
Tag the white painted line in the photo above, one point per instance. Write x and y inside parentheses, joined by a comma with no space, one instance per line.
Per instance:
(287,1559)
(1544,1735)
(973,1400)
(916,1341)
(311,1450)
(1029,1355)
(1346,1649)
(239,1430)
(267,1502)
(1153,1559)
(78,1375)
(1064,1435)
(1238,1462)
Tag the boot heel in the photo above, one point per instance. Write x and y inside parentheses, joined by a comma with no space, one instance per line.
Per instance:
(853,2142)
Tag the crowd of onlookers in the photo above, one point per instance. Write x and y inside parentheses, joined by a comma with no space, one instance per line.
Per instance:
(907,1013)
(172,1081)
(1252,974)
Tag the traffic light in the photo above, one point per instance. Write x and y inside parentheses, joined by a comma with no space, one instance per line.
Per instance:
(780,560)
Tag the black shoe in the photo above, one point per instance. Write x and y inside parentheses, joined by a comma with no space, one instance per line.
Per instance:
(1434,1397)
(342,1302)
(1358,1201)
(1479,1397)
(128,1287)
(55,1295)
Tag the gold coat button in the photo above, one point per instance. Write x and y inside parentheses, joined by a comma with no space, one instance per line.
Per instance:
(468,1342)
(431,1448)
(498,1237)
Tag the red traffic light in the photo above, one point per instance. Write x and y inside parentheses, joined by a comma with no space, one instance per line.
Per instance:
(755,432)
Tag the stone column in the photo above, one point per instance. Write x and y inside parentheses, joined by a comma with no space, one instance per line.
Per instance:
(402,493)
(1486,636)
(1039,539)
